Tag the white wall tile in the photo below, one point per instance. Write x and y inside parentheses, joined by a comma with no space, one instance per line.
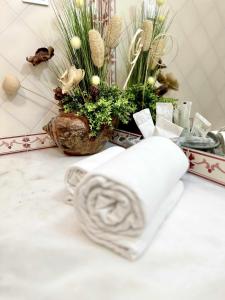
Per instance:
(202,56)
(7,15)
(188,18)
(9,124)
(213,24)
(17,5)
(22,31)
(18,42)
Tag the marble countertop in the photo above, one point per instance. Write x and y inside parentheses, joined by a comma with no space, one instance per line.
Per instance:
(45,256)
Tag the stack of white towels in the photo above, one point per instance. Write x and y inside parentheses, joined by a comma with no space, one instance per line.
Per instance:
(122,197)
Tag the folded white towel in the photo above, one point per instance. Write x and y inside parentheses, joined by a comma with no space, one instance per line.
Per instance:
(76,172)
(122,203)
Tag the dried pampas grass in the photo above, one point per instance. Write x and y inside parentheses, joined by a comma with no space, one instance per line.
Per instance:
(157,51)
(97,48)
(114,32)
(147,34)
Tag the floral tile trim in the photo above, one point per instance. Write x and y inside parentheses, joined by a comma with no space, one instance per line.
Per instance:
(25,143)
(206,165)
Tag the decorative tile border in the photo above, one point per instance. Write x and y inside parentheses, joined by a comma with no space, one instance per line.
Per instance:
(25,143)
(206,165)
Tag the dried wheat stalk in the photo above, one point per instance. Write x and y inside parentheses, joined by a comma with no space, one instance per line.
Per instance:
(97,48)
(114,32)
(157,51)
(147,34)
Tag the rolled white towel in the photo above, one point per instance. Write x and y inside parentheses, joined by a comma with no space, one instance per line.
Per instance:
(122,203)
(76,172)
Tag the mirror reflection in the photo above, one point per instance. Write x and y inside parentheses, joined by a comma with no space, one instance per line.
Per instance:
(197,60)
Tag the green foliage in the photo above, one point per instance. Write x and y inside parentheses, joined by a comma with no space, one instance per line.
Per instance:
(74,101)
(112,104)
(123,108)
(145,97)
(99,114)
(103,105)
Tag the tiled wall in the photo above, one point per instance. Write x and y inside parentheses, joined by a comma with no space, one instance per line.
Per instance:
(199,27)
(23,29)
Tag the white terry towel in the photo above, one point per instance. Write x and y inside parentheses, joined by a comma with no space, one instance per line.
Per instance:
(122,203)
(76,172)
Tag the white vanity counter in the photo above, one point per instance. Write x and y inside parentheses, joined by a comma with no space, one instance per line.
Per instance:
(45,256)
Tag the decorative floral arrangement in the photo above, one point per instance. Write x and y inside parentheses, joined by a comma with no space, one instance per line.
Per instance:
(147,83)
(89,105)
(89,41)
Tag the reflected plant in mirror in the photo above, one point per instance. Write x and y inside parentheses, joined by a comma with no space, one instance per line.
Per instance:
(162,36)
(147,81)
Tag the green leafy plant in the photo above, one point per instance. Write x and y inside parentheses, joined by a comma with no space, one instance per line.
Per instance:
(88,41)
(139,91)
(110,106)
(146,82)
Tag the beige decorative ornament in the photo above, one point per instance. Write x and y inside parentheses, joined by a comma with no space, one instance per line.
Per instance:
(162,18)
(75,42)
(114,32)
(147,34)
(95,80)
(134,52)
(160,2)
(157,51)
(11,84)
(97,48)
(71,78)
(79,3)
(151,80)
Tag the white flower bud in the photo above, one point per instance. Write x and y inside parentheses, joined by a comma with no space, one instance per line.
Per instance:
(160,2)
(79,3)
(95,80)
(151,80)
(161,18)
(75,42)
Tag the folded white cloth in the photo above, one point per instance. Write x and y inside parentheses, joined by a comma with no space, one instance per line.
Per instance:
(122,203)
(76,172)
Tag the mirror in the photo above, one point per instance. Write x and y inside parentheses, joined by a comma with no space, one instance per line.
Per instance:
(197,59)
